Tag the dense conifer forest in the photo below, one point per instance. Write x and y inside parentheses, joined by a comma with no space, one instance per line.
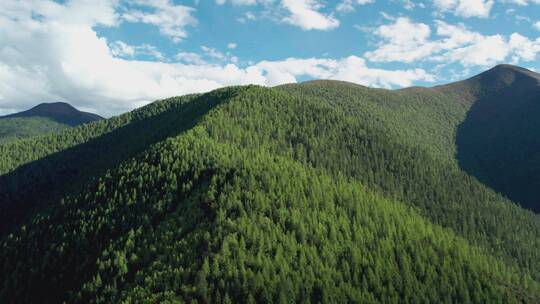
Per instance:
(16,128)
(318,192)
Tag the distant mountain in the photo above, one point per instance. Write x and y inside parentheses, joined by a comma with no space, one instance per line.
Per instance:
(60,112)
(41,119)
(319,192)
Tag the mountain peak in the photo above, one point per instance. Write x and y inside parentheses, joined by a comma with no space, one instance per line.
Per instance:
(506,66)
(54,107)
(504,75)
(494,81)
(60,112)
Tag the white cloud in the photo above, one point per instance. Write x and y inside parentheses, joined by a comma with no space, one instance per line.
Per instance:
(171,19)
(190,58)
(458,44)
(537,25)
(248,16)
(213,53)
(238,2)
(149,50)
(522,2)
(485,52)
(122,49)
(410,4)
(348,5)
(98,12)
(352,68)
(75,65)
(232,45)
(208,56)
(305,14)
(403,41)
(523,48)
(406,41)
(465,8)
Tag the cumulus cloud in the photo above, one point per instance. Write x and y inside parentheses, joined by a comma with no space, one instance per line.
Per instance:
(465,8)
(484,52)
(523,47)
(75,65)
(404,41)
(407,41)
(306,15)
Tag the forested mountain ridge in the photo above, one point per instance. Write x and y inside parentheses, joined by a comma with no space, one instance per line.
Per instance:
(487,125)
(42,119)
(251,194)
(499,140)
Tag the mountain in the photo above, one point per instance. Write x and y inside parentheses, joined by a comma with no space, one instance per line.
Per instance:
(486,124)
(499,140)
(60,112)
(43,118)
(316,192)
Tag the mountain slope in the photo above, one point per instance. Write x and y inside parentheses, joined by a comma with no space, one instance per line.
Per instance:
(246,228)
(15,128)
(41,119)
(250,194)
(499,140)
(486,125)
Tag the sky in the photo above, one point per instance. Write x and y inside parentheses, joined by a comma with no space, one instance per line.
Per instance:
(111,56)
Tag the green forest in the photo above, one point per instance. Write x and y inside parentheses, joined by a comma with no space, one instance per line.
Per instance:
(321,192)
(16,128)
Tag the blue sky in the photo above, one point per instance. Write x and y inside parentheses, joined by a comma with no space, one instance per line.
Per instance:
(110,56)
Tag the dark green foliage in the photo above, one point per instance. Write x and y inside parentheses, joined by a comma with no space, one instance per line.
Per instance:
(15,128)
(487,123)
(327,138)
(87,152)
(418,117)
(499,140)
(258,195)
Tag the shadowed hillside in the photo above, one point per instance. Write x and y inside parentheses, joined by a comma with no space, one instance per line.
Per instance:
(499,140)
(88,152)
